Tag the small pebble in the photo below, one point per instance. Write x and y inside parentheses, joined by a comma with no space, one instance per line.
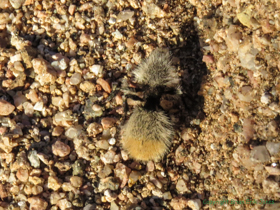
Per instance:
(94,129)
(108,157)
(96,69)
(260,154)
(33,158)
(96,108)
(75,79)
(133,177)
(72,9)
(114,206)
(73,132)
(117,34)
(125,15)
(18,66)
(22,175)
(122,172)
(39,106)
(194,204)
(273,148)
(60,149)
(6,108)
(265,99)
(64,204)
(17,3)
(112,21)
(272,170)
(150,166)
(112,141)
(208,59)
(102,144)
(179,203)
(181,186)
(76,181)
(105,171)
(4,4)
(108,122)
(87,87)
(104,84)
(110,183)
(167,195)
(78,168)
(57,131)
(125,156)
(37,203)
(152,10)
(54,183)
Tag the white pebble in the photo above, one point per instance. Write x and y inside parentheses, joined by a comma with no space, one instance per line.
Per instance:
(63,64)
(112,20)
(35,27)
(122,47)
(39,106)
(16,57)
(194,204)
(21,203)
(265,99)
(96,108)
(96,69)
(112,141)
(117,34)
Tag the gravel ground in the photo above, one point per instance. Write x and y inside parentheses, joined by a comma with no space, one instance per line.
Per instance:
(61,67)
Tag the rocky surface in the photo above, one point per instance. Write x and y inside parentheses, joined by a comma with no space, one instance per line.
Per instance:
(61,68)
